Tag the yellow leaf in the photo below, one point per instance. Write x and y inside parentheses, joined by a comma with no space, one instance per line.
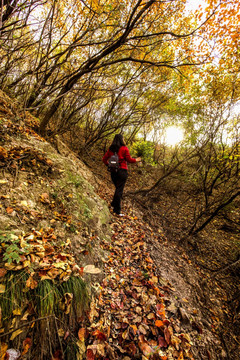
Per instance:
(3,349)
(61,265)
(2,288)
(15,334)
(26,263)
(10,266)
(25,316)
(61,332)
(68,242)
(17,312)
(24,203)
(154,280)
(45,277)
(40,254)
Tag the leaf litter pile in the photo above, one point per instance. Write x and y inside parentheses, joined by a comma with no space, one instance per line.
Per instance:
(129,317)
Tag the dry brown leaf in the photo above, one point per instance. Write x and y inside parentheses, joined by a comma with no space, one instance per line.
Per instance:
(151,316)
(91,269)
(27,343)
(143,345)
(31,283)
(66,302)
(101,349)
(2,272)
(82,334)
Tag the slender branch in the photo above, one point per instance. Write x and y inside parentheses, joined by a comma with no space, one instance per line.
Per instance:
(220,207)
(28,323)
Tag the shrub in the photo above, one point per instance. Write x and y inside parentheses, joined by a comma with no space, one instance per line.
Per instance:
(144,149)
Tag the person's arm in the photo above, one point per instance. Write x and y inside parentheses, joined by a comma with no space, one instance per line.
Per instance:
(128,157)
(106,157)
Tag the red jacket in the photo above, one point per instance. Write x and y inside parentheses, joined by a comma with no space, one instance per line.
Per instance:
(123,155)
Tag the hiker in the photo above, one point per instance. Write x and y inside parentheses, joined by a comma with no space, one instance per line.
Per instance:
(119,173)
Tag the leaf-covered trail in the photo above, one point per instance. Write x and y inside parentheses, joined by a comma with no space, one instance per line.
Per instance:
(130,317)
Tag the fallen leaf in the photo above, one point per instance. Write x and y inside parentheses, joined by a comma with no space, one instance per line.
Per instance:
(3,349)
(142,329)
(81,334)
(143,345)
(167,335)
(24,203)
(27,343)
(66,302)
(99,335)
(101,349)
(91,269)
(10,266)
(9,210)
(17,312)
(151,316)
(57,355)
(25,316)
(125,334)
(181,356)
(134,327)
(2,288)
(162,342)
(15,334)
(90,354)
(31,283)
(159,323)
(61,332)
(175,341)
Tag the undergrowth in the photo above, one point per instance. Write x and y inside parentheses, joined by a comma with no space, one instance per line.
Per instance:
(46,308)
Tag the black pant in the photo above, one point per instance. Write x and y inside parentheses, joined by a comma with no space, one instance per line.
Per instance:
(119,179)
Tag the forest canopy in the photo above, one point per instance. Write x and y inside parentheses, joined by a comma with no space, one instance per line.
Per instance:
(106,66)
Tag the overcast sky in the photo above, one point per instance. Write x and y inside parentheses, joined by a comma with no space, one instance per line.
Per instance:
(193,4)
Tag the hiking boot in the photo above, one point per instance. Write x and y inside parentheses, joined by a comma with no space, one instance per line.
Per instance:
(119,214)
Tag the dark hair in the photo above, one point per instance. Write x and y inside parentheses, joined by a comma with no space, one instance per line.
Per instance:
(117,143)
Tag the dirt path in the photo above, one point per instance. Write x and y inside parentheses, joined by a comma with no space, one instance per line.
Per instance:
(148,305)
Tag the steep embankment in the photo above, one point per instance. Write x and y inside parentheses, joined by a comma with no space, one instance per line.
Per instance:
(51,220)
(68,290)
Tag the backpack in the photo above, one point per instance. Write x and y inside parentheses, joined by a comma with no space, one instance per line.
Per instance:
(113,163)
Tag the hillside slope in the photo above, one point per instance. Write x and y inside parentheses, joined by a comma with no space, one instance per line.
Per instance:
(51,221)
(77,282)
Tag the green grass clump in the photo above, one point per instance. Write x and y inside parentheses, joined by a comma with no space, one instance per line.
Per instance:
(46,297)
(77,287)
(15,294)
